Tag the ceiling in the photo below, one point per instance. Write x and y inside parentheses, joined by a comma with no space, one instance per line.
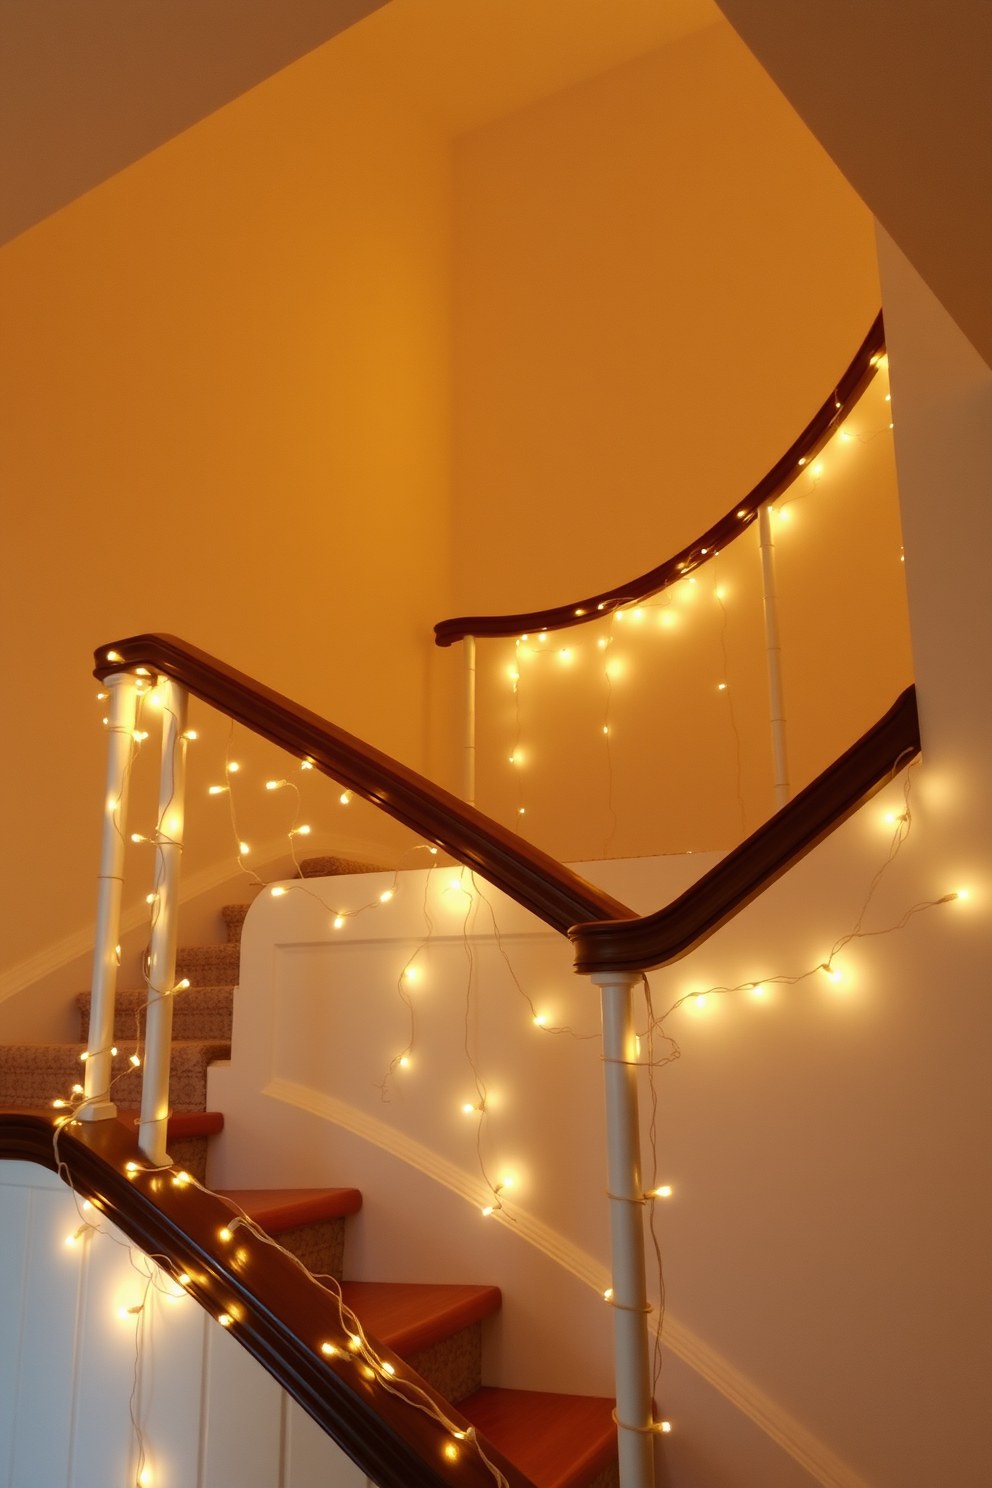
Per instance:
(89,86)
(898,93)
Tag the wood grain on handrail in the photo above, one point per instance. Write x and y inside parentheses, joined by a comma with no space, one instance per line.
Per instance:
(280,1314)
(657,939)
(541,884)
(815,435)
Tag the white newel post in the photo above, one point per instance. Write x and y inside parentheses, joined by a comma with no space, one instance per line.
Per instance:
(165,917)
(626,1196)
(468,790)
(773,651)
(97,1105)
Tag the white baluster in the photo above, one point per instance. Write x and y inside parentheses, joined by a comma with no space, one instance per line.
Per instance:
(632,1362)
(165,923)
(106,952)
(773,652)
(468,790)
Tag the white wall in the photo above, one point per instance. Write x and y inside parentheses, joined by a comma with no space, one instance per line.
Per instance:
(210,1416)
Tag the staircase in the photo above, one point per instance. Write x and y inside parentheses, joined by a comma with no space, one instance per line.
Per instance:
(557,1441)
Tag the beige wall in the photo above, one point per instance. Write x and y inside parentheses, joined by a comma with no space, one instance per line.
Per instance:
(659,276)
(226,408)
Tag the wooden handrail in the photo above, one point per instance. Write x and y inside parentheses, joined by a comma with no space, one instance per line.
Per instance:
(815,435)
(657,939)
(541,884)
(280,1314)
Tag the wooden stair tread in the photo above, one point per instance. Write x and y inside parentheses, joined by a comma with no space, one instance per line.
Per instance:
(558,1441)
(280,1209)
(181,1124)
(411,1316)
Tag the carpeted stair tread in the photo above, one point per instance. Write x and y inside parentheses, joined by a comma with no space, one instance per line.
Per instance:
(412,1316)
(558,1441)
(37,1074)
(233,916)
(209,965)
(335,867)
(198,1013)
(280,1209)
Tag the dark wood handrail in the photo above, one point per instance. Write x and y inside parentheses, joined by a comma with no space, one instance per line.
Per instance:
(541,884)
(657,939)
(280,1314)
(815,435)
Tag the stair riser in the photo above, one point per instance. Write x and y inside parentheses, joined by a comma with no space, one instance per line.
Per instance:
(200,1013)
(454,1365)
(35,1075)
(209,966)
(319,1246)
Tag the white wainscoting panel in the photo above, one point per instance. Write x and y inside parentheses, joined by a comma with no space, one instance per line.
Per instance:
(72,1368)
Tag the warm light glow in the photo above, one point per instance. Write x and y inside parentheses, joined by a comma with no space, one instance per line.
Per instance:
(131,1167)
(345,797)
(451,1452)
(468,1109)
(184,1278)
(216,790)
(274,784)
(818,469)
(666,1426)
(225,1320)
(608,1295)
(664,1192)
(602,643)
(58,1104)
(487,1211)
(150,898)
(721,687)
(300,831)
(135,1060)
(338,922)
(277,892)
(244,848)
(508,1181)
(113,656)
(181,986)
(385,896)
(963,894)
(758,991)
(181,1179)
(388,1368)
(145,1477)
(831,972)
(701,1000)
(540,1020)
(565,655)
(224,1234)
(404,1061)
(190,734)
(232,766)
(78,1090)
(329,1349)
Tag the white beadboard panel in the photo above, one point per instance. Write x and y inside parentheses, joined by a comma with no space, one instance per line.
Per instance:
(242,1445)
(47,1358)
(311,1459)
(102,1450)
(14,1204)
(172,1386)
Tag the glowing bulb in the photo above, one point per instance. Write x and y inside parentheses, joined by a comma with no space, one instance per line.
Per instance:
(244,848)
(131,1167)
(601,643)
(190,734)
(758,991)
(540,1019)
(468,1109)
(963,894)
(184,1278)
(701,1000)
(508,1181)
(666,1427)
(721,687)
(521,810)
(385,896)
(216,790)
(608,1295)
(845,436)
(137,837)
(150,898)
(224,1234)
(225,1320)
(888,399)
(565,655)
(432,851)
(605,729)
(450,1451)
(328,1349)
(135,1060)
(743,513)
(277,892)
(145,1477)
(404,1061)
(114,1050)
(665,1191)
(59,1104)
(181,986)
(113,656)
(513,674)
(345,797)
(181,1179)
(818,469)
(487,1211)
(411,973)
(543,636)
(388,1367)
(78,1090)
(232,766)
(306,764)
(274,784)
(84,1056)
(338,922)
(831,971)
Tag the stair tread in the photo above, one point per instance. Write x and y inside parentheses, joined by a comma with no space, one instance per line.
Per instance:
(181,1124)
(279,1209)
(411,1316)
(558,1441)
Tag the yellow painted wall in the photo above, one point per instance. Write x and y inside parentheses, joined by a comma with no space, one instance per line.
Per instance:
(225,414)
(659,276)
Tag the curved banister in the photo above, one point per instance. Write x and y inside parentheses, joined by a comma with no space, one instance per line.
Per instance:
(657,939)
(815,435)
(541,884)
(280,1314)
